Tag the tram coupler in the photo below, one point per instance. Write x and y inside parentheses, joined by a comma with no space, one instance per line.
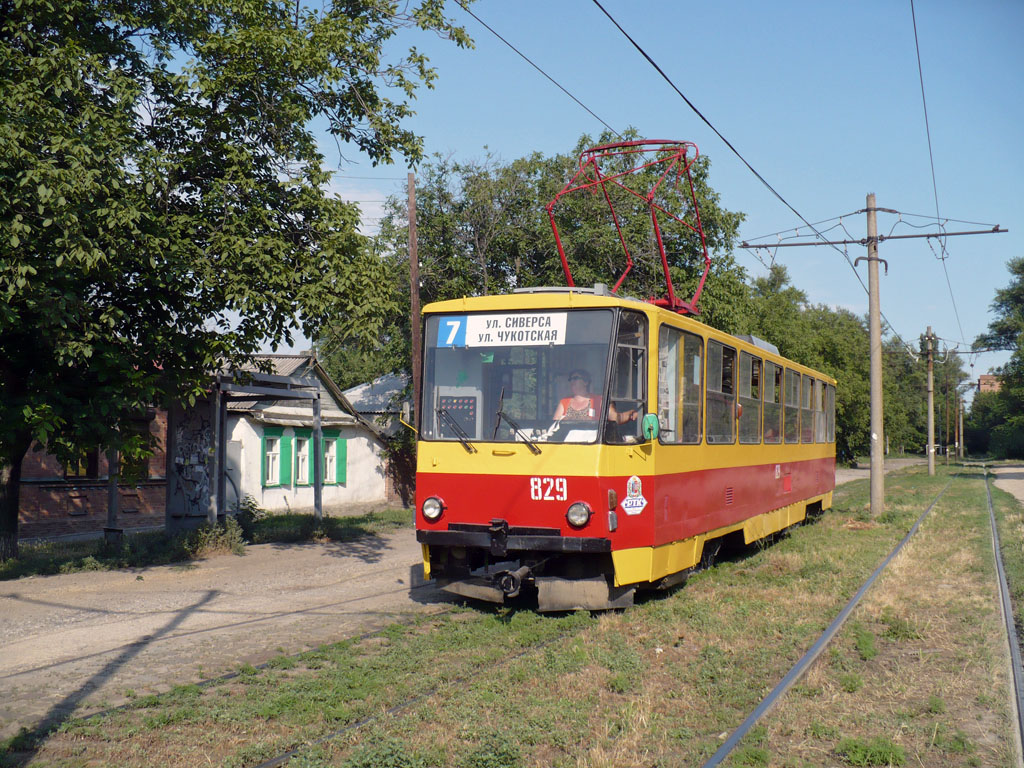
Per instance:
(511,581)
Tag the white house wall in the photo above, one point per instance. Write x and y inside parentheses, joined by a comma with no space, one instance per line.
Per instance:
(364,481)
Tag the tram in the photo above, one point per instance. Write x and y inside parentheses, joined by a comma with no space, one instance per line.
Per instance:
(585,445)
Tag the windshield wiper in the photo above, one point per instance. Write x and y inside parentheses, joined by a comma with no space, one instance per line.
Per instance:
(459,431)
(519,430)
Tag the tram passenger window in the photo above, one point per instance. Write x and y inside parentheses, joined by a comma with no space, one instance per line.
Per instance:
(830,413)
(807,420)
(750,398)
(627,401)
(772,403)
(679,385)
(721,393)
(792,406)
(819,411)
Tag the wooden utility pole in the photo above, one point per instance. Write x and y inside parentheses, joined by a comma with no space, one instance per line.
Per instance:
(872,241)
(414,302)
(875,333)
(931,406)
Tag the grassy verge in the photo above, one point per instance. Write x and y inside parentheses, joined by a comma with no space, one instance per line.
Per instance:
(660,684)
(919,675)
(141,550)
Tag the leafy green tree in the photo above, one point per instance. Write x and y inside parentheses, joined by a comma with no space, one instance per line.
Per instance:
(482,228)
(162,206)
(1006,332)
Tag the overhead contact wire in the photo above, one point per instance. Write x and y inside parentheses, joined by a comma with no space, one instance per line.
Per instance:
(535,66)
(931,159)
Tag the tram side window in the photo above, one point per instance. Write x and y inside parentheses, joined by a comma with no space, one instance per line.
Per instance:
(792,406)
(679,385)
(721,393)
(772,403)
(819,411)
(830,413)
(807,420)
(750,398)
(628,394)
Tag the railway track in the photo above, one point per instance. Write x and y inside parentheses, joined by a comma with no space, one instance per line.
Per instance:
(791,677)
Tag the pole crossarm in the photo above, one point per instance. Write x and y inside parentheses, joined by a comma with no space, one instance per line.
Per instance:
(881,238)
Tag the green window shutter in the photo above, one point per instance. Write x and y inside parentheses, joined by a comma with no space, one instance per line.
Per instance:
(342,460)
(286,460)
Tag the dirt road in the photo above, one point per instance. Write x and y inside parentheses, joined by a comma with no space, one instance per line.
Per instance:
(85,642)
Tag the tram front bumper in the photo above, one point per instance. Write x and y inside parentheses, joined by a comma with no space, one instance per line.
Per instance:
(499,539)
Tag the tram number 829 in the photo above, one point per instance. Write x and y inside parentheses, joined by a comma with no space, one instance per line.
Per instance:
(548,489)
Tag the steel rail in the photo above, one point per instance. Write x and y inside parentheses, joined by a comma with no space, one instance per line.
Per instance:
(1011,626)
(819,645)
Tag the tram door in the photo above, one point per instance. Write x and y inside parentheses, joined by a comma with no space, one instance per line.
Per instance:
(627,394)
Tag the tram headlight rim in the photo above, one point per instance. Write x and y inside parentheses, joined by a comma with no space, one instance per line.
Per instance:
(578,514)
(436,507)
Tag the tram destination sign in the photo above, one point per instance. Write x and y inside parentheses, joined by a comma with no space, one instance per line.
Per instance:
(508,329)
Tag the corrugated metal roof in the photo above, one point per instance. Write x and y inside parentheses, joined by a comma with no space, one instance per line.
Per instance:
(379,395)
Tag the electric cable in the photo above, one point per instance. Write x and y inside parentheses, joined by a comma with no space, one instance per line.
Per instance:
(943,253)
(528,61)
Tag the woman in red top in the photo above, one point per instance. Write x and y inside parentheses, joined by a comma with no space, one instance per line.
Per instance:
(583,406)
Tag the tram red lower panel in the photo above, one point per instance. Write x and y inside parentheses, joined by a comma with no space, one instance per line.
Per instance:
(662,509)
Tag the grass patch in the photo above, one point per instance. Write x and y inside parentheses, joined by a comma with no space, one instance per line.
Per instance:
(876,751)
(656,684)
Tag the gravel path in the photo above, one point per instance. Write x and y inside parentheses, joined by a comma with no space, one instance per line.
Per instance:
(845,475)
(1010,478)
(82,642)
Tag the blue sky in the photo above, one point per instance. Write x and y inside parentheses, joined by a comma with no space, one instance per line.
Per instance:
(822,98)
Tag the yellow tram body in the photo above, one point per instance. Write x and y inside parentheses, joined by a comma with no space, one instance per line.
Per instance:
(693,436)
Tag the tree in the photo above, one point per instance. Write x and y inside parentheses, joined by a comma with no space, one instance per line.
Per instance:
(482,228)
(1006,332)
(162,211)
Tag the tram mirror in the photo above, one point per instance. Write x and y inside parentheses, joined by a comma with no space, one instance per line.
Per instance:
(406,411)
(649,426)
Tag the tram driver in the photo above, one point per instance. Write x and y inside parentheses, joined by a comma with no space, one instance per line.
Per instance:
(582,405)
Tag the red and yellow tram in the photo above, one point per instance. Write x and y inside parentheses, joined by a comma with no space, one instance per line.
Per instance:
(687,435)
(586,444)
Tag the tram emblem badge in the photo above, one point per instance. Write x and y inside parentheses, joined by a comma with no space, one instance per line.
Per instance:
(634,502)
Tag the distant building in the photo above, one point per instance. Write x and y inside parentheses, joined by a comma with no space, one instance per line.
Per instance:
(989,383)
(58,499)
(381,400)
(269,449)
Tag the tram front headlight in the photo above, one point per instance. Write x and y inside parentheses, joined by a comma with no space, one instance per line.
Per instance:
(578,514)
(432,508)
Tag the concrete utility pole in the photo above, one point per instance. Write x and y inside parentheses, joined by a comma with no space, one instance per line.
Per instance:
(875,332)
(414,302)
(931,406)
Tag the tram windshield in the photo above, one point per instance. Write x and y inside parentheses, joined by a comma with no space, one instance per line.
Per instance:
(533,376)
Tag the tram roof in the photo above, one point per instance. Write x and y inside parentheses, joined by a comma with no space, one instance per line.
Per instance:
(600,297)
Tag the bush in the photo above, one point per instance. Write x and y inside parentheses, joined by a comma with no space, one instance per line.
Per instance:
(248,513)
(222,538)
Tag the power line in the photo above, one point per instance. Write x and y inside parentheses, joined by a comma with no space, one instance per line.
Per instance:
(943,254)
(736,152)
(528,61)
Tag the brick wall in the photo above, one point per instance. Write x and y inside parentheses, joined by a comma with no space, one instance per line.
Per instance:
(54,505)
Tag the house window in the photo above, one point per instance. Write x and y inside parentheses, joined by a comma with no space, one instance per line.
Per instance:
(335,454)
(330,460)
(84,465)
(272,454)
(302,460)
